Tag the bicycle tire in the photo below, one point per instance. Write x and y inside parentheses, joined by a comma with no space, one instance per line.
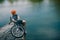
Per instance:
(20,29)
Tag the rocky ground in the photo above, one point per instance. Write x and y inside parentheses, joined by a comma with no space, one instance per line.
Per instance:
(5,33)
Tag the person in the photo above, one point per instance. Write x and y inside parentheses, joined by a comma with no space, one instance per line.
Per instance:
(16,19)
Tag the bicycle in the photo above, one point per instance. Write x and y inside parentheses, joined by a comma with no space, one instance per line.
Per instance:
(17,31)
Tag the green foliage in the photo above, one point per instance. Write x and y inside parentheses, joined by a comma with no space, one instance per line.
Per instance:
(11,1)
(36,0)
(1,1)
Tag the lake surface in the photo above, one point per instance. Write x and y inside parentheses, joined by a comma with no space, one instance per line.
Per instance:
(42,17)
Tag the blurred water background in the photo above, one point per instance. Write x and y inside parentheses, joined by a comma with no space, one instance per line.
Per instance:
(42,16)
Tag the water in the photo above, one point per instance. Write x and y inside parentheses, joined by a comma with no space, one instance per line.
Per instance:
(43,17)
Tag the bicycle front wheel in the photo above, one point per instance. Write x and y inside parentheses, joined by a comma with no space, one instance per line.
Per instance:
(17,31)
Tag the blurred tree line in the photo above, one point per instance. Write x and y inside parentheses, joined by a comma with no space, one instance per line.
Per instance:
(35,0)
(1,1)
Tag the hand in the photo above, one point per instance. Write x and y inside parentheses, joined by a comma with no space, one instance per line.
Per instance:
(14,20)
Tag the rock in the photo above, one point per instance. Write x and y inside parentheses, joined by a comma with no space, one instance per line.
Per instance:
(5,33)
